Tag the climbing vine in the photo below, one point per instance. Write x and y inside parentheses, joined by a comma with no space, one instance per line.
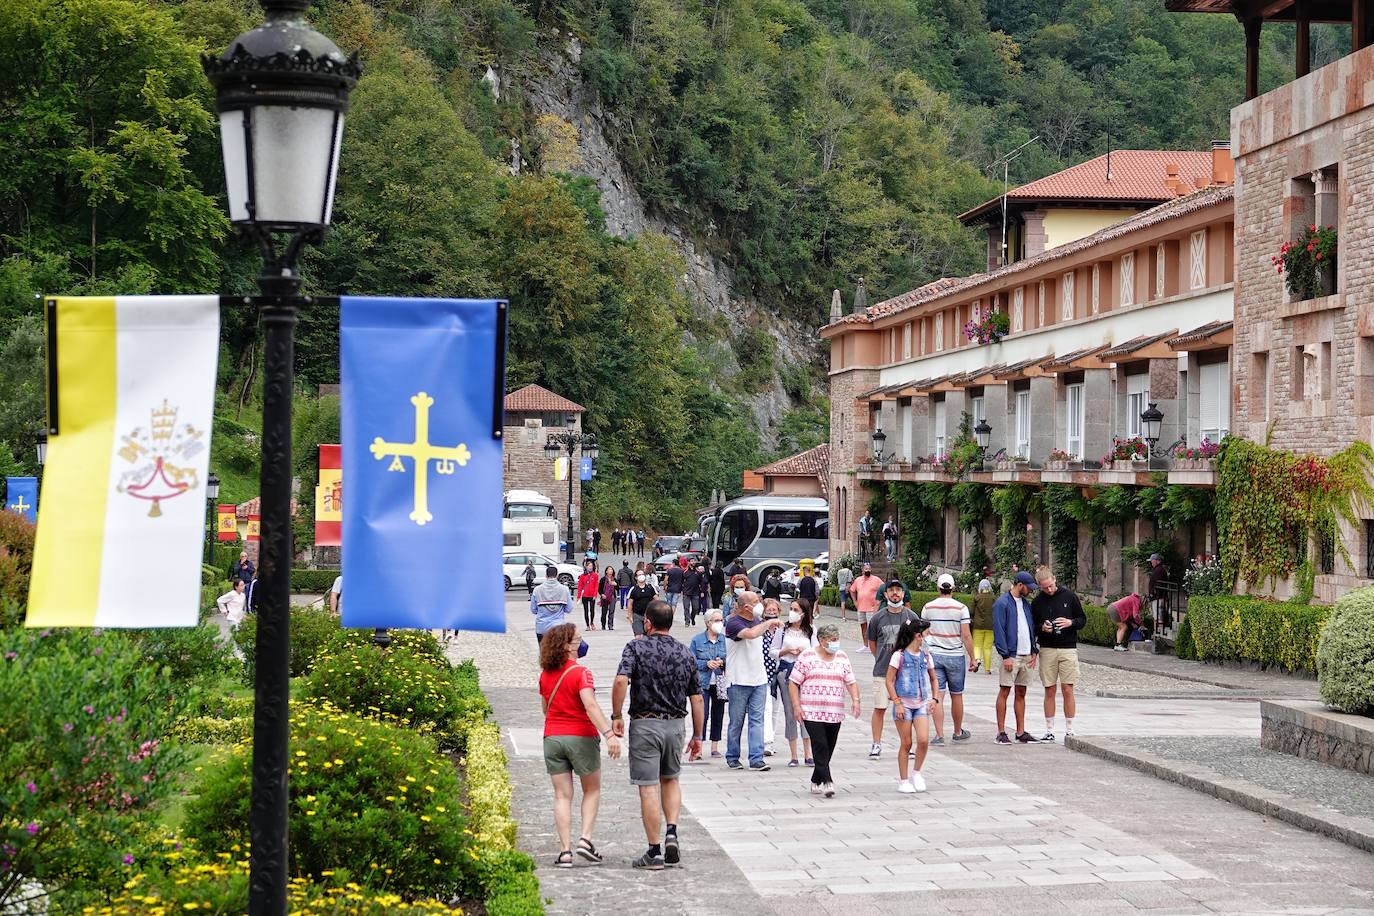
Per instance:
(1012,505)
(1271,503)
(918,527)
(1065,505)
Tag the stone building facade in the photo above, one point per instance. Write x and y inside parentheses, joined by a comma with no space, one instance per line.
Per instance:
(532,413)
(1304,369)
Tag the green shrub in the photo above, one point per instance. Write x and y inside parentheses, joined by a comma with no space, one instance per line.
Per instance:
(187,656)
(488,783)
(369,795)
(220,888)
(83,760)
(368,680)
(225,556)
(212,729)
(420,643)
(1184,647)
(1240,628)
(313,581)
(16,561)
(311,630)
(829,596)
(210,575)
(1345,656)
(511,887)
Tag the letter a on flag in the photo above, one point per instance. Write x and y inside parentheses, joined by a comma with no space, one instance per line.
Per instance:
(421,415)
(131,388)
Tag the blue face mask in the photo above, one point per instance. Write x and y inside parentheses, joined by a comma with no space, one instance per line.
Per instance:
(582,649)
(833,646)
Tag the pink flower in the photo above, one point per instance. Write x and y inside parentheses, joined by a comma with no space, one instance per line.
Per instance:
(88,709)
(67,727)
(32,828)
(128,859)
(32,787)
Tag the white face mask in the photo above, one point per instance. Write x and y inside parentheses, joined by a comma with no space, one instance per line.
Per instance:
(793,617)
(833,646)
(758,610)
(717,627)
(739,590)
(897,602)
(641,578)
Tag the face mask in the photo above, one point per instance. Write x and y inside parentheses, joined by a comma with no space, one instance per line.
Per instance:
(739,590)
(758,610)
(582,648)
(793,617)
(833,646)
(894,602)
(717,627)
(641,578)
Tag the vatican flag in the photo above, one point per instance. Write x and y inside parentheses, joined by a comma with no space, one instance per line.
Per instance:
(130,402)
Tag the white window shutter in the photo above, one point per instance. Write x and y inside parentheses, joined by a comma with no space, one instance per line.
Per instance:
(1197,246)
(1067,313)
(1128,278)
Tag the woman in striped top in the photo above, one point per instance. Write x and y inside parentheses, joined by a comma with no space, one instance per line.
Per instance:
(819,681)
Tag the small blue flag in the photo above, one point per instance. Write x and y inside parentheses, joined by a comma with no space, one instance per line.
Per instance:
(423,383)
(586,469)
(21,496)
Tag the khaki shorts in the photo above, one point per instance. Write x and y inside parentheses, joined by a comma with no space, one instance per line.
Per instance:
(578,753)
(1018,676)
(881,700)
(1058,666)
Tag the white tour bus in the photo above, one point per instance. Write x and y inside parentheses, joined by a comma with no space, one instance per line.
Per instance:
(769,532)
(528,521)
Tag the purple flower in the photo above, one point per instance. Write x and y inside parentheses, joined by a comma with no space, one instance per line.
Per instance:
(88,709)
(32,828)
(11,656)
(67,727)
(32,787)
(98,650)
(128,859)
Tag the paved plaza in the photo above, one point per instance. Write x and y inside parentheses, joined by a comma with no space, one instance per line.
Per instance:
(1002,829)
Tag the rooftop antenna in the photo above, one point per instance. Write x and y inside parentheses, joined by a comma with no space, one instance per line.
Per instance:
(1006,166)
(1109,157)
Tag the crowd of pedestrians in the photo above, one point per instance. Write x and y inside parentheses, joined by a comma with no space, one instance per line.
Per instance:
(761,648)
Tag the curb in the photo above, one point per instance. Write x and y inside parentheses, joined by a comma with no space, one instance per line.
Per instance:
(1193,679)
(1117,694)
(1353,831)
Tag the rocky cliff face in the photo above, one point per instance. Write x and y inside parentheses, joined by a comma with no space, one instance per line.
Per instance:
(556,88)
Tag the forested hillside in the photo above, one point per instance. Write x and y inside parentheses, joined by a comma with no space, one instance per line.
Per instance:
(802,143)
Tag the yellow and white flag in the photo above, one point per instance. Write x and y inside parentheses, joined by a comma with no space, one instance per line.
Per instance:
(123,523)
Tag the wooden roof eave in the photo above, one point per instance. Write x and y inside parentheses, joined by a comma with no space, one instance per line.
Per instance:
(1222,340)
(1160,349)
(1088,359)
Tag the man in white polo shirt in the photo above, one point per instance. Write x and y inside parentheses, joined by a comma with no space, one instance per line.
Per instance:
(950,644)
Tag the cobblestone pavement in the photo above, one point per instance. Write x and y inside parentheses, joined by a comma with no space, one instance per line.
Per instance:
(1004,829)
(1342,791)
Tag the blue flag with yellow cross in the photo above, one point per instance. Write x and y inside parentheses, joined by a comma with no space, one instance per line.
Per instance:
(421,412)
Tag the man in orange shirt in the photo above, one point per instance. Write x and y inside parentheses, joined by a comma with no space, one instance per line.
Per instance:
(864,590)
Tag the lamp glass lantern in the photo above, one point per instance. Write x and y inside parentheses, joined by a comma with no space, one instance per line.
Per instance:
(551,448)
(41,445)
(589,449)
(212,486)
(1150,420)
(879,440)
(281,91)
(983,432)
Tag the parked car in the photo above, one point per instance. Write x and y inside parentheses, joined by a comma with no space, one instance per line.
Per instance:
(667,543)
(513,567)
(670,559)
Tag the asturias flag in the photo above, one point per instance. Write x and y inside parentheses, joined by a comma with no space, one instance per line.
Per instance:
(423,381)
(21,496)
(123,526)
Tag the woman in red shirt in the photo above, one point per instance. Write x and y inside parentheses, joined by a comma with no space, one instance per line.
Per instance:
(588,587)
(573,728)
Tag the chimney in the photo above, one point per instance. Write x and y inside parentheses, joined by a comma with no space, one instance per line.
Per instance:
(860,299)
(1171,179)
(836,306)
(1223,166)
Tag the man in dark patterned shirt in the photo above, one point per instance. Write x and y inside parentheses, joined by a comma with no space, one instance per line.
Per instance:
(660,675)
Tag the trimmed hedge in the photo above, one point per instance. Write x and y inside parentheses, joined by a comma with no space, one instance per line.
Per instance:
(1184,647)
(1100,630)
(314,581)
(829,596)
(1280,634)
(311,631)
(1345,657)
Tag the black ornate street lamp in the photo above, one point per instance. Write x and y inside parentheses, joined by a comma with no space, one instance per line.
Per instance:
(880,456)
(281,91)
(211,520)
(571,441)
(983,433)
(1150,420)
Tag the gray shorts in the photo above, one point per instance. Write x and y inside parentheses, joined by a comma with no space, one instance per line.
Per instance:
(637,624)
(655,749)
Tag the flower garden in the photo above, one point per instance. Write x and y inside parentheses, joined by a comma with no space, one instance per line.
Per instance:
(125,757)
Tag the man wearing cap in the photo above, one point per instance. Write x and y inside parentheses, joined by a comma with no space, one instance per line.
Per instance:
(864,590)
(881,634)
(1013,636)
(950,644)
(1058,616)
(1156,586)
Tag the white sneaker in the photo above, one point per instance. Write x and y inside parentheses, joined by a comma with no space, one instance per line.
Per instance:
(815,789)
(1068,734)
(1120,649)
(905,787)
(1049,736)
(829,789)
(917,781)
(875,751)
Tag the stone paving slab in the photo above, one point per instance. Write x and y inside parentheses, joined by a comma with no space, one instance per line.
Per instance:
(1261,683)
(1324,799)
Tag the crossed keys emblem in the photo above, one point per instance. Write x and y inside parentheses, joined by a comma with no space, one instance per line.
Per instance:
(422,453)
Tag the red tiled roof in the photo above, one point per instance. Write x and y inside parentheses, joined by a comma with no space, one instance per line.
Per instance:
(813,462)
(1137,175)
(941,288)
(254,507)
(537,399)
(1201,333)
(1137,343)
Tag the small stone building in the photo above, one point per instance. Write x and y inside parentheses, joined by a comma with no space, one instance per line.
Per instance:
(531,413)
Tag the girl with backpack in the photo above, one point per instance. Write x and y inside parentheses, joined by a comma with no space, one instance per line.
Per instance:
(912,689)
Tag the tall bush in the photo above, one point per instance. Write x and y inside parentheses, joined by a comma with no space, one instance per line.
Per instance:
(1279,634)
(1345,656)
(311,630)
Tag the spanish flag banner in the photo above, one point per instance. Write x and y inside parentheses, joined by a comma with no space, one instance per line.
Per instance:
(329,498)
(227,522)
(254,528)
(130,404)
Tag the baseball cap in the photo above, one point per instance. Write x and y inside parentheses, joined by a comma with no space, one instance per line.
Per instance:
(945,581)
(892,582)
(1156,558)
(1025,578)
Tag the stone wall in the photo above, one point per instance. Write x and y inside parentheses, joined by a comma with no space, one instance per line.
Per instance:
(1308,729)
(528,468)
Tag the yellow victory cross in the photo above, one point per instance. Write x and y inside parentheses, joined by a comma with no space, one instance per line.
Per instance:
(20,506)
(422,453)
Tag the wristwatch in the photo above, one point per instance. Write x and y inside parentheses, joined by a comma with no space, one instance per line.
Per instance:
(615,716)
